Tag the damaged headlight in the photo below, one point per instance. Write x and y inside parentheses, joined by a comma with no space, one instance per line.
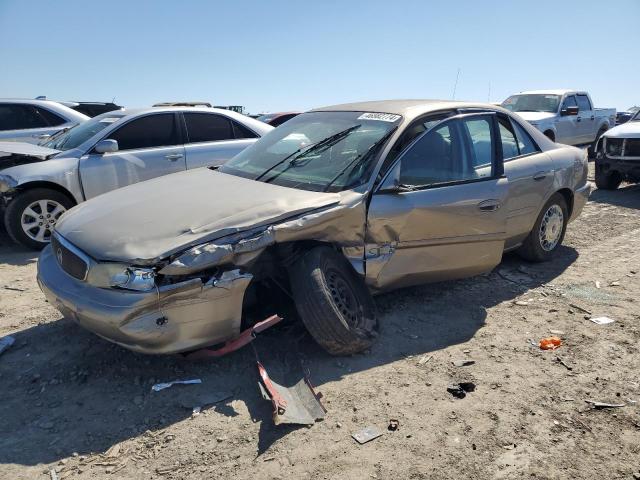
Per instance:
(7,182)
(107,275)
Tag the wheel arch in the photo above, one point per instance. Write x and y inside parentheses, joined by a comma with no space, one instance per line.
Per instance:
(44,184)
(567,194)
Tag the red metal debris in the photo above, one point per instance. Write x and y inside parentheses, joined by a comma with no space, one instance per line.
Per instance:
(240,341)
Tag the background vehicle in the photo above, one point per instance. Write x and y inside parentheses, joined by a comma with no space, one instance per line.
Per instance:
(33,121)
(275,119)
(40,182)
(93,109)
(623,117)
(565,116)
(618,155)
(332,205)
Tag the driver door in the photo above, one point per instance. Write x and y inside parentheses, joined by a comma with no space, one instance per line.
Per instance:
(438,214)
(148,147)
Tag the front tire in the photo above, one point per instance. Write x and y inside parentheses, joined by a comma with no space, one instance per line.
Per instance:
(609,180)
(548,231)
(32,214)
(333,302)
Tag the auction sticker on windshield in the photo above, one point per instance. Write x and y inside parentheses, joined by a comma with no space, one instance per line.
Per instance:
(383,117)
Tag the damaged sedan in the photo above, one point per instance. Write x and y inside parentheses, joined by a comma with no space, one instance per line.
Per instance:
(336,205)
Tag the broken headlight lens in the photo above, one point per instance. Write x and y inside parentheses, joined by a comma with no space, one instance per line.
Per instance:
(7,182)
(108,275)
(139,279)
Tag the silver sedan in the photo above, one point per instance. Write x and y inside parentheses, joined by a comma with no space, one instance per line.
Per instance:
(333,206)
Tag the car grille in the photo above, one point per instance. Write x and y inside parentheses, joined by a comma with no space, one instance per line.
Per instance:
(69,261)
(632,147)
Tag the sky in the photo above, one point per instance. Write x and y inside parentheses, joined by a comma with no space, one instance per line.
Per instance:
(283,55)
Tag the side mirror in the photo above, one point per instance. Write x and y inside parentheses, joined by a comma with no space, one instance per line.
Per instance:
(106,146)
(569,111)
(391,183)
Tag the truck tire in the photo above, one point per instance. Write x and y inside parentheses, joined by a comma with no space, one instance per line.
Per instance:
(548,231)
(333,302)
(609,180)
(32,214)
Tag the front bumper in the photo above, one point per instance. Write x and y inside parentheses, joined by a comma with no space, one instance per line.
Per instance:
(626,167)
(580,197)
(175,318)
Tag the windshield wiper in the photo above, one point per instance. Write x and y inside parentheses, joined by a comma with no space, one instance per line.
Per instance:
(326,142)
(359,159)
(55,135)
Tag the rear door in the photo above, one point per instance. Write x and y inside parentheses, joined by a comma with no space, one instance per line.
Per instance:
(446,218)
(212,139)
(148,146)
(27,123)
(586,119)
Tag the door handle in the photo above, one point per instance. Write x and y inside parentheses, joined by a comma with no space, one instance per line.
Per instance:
(490,205)
(540,176)
(172,157)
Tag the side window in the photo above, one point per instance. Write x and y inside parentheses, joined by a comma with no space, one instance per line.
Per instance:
(437,157)
(207,127)
(146,132)
(526,145)
(583,103)
(569,102)
(52,119)
(482,152)
(242,132)
(20,117)
(508,139)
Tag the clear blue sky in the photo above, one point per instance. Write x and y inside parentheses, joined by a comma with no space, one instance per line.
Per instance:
(288,55)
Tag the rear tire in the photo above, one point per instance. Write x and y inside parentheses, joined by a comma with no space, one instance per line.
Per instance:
(548,231)
(32,214)
(333,302)
(609,180)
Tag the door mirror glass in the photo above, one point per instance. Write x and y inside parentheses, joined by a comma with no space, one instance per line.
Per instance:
(570,111)
(106,146)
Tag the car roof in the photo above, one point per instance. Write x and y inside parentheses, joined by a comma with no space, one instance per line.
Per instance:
(409,109)
(559,91)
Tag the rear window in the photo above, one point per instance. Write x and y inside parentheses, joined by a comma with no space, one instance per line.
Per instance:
(207,127)
(52,119)
(21,117)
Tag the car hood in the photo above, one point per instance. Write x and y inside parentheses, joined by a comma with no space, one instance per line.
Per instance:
(143,223)
(626,130)
(23,148)
(536,116)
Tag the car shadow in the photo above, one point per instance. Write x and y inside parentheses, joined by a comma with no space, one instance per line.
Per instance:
(13,254)
(627,196)
(67,391)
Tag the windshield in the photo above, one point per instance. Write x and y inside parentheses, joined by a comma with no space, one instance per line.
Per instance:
(319,151)
(636,116)
(75,136)
(532,103)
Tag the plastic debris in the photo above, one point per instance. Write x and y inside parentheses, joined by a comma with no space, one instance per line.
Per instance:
(6,342)
(605,405)
(161,386)
(53,474)
(394,424)
(550,343)
(463,363)
(424,359)
(602,320)
(366,435)
(460,390)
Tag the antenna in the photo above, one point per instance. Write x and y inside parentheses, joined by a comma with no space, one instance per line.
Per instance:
(489,94)
(455,86)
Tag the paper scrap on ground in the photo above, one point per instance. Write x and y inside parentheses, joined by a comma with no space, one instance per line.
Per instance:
(161,386)
(602,320)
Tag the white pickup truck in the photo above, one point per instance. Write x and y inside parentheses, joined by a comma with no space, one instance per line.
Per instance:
(565,116)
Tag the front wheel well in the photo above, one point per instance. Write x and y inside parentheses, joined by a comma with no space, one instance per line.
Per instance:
(42,184)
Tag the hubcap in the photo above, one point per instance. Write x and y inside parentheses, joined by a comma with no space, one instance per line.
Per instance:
(39,218)
(551,228)
(344,298)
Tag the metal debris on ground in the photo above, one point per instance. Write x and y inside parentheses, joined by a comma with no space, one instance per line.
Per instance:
(578,307)
(602,320)
(460,390)
(563,363)
(298,404)
(463,363)
(394,424)
(550,343)
(366,435)
(604,405)
(203,399)
(161,386)
(6,342)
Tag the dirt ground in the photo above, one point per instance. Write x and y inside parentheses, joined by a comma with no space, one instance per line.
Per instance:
(83,407)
